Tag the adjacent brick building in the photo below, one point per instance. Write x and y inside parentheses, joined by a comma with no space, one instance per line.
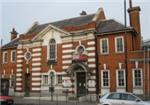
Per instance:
(65,55)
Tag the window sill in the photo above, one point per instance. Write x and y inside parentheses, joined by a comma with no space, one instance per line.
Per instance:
(13,62)
(5,63)
(105,87)
(138,87)
(121,87)
(104,54)
(119,52)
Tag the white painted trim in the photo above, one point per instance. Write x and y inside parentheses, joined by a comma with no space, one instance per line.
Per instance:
(65,67)
(68,51)
(92,89)
(18,84)
(117,80)
(136,64)
(108,79)
(66,56)
(91,54)
(104,66)
(67,46)
(12,56)
(91,43)
(35,88)
(36,59)
(134,77)
(18,70)
(91,60)
(4,57)
(18,74)
(36,74)
(66,61)
(18,79)
(36,64)
(90,49)
(36,49)
(20,56)
(51,27)
(92,65)
(36,84)
(36,69)
(19,65)
(19,52)
(36,54)
(107,40)
(19,60)
(18,88)
(116,44)
(93,77)
(36,78)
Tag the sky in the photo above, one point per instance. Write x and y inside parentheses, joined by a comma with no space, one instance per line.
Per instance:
(21,14)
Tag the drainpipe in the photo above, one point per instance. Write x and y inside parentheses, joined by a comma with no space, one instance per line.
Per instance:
(97,69)
(0,63)
(126,50)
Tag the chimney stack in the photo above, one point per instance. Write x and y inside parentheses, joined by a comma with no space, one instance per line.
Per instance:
(13,34)
(134,18)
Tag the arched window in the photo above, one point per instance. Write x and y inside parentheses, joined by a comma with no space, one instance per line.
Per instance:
(52,50)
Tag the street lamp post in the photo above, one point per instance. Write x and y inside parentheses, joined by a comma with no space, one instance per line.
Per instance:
(51,89)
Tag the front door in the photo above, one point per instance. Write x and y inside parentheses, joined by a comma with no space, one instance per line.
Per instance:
(27,84)
(81,84)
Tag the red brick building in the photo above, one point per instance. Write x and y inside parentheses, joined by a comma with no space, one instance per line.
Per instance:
(62,55)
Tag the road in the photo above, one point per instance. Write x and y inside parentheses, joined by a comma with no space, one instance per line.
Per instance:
(22,101)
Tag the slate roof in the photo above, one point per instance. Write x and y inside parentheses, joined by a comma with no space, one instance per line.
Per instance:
(146,44)
(64,23)
(109,26)
(12,44)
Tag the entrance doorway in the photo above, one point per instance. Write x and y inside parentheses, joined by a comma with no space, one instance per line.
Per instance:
(81,84)
(27,84)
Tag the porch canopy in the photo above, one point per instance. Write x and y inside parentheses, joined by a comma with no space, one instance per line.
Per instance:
(78,67)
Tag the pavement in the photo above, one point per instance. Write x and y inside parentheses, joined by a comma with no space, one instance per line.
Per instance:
(39,101)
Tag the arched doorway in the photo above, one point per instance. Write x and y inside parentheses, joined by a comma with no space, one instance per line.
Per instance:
(81,87)
(79,73)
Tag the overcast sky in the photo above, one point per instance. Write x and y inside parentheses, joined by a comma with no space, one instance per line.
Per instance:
(21,14)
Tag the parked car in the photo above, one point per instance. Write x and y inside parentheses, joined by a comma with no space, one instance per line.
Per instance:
(118,98)
(6,100)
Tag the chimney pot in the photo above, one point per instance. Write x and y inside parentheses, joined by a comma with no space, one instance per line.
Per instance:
(13,34)
(83,13)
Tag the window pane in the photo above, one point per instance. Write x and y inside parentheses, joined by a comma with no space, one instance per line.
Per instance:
(105,78)
(104,46)
(121,78)
(59,79)
(119,45)
(5,57)
(45,79)
(13,56)
(137,77)
(52,49)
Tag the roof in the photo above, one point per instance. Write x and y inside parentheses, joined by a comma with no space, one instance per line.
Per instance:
(109,26)
(146,43)
(12,44)
(65,23)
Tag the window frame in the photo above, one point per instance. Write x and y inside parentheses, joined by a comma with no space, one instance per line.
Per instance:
(102,79)
(101,47)
(5,52)
(134,83)
(13,51)
(117,77)
(59,78)
(116,44)
(50,44)
(43,79)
